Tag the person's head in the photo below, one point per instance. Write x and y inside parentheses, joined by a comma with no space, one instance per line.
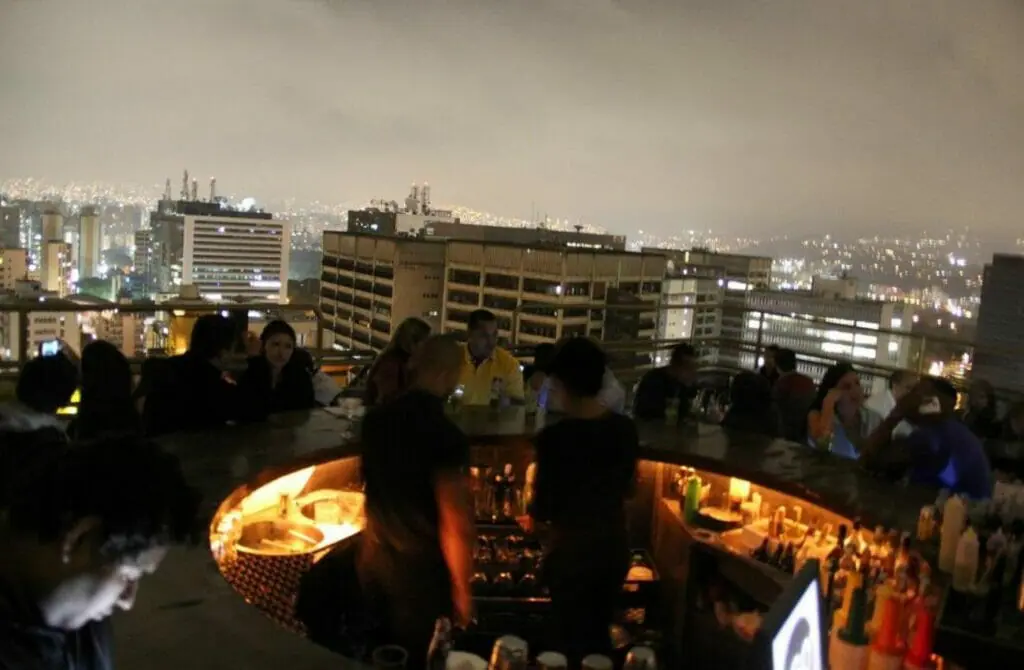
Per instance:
(844,378)
(982,395)
(542,355)
(80,546)
(900,383)
(785,360)
(930,389)
(106,380)
(409,335)
(436,364)
(46,383)
(576,371)
(750,393)
(482,333)
(769,356)
(278,340)
(212,336)
(682,365)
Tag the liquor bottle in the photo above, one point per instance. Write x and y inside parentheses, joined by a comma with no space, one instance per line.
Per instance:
(763,552)
(440,645)
(509,504)
(837,551)
(776,560)
(788,559)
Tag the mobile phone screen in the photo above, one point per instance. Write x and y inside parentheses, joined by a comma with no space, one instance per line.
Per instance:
(49,348)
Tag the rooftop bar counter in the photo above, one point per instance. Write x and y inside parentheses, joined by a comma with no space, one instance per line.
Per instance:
(188,615)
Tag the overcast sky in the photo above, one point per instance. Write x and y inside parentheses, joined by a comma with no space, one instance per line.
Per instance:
(756,116)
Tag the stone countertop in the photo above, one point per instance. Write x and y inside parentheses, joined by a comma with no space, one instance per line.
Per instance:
(188,616)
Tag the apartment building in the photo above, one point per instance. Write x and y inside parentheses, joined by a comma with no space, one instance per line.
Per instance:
(543,294)
(691,309)
(371,283)
(13,267)
(21,327)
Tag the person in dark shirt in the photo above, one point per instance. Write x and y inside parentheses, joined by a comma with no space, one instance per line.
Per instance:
(389,374)
(981,416)
(585,472)
(192,392)
(70,560)
(943,452)
(793,394)
(750,406)
(278,380)
(416,554)
(675,381)
(769,370)
(107,406)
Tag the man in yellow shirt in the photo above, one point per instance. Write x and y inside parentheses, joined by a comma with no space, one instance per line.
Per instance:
(487,366)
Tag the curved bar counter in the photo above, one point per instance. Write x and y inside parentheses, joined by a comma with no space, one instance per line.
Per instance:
(280,494)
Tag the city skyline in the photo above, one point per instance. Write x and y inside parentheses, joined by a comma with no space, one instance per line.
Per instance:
(741,118)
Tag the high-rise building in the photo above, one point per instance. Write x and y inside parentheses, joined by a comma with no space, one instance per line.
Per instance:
(10,227)
(225,253)
(823,330)
(56,267)
(51,230)
(142,254)
(13,267)
(997,357)
(90,239)
(371,283)
(38,326)
(691,300)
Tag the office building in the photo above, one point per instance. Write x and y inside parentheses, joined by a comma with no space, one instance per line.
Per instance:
(538,236)
(371,283)
(388,217)
(824,330)
(19,320)
(998,358)
(142,251)
(13,267)
(49,262)
(10,227)
(691,300)
(90,240)
(542,294)
(226,254)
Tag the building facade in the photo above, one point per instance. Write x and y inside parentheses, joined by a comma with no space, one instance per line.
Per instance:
(691,309)
(37,327)
(10,227)
(13,267)
(90,243)
(997,355)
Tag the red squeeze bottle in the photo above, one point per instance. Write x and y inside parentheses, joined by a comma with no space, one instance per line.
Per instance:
(887,637)
(920,654)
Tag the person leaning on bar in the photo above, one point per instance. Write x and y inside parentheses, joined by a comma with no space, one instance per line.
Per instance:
(75,550)
(486,363)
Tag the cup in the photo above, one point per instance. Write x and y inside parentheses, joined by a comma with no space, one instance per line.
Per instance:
(552,660)
(389,657)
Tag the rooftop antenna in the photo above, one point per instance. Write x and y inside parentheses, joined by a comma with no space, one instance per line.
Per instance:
(425,198)
(213,189)
(195,190)
(167,189)
(184,186)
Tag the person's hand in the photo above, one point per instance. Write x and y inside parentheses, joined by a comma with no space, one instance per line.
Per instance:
(911,401)
(833,397)
(462,599)
(253,345)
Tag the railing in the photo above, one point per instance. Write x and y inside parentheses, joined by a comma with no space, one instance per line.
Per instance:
(728,348)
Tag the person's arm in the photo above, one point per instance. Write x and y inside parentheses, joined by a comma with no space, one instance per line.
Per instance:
(649,401)
(820,422)
(514,383)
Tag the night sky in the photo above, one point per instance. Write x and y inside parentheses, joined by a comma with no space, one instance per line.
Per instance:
(757,116)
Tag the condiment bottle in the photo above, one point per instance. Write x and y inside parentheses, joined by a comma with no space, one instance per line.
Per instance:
(692,505)
(926,523)
(965,568)
(954,516)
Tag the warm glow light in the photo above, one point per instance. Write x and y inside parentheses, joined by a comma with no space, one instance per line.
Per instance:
(739,489)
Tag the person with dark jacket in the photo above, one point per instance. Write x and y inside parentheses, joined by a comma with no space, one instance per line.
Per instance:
(750,406)
(981,415)
(107,406)
(193,392)
(278,379)
(793,394)
(675,382)
(71,560)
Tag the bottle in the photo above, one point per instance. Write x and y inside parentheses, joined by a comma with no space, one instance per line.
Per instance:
(954,517)
(509,504)
(837,551)
(692,506)
(926,523)
(763,553)
(788,559)
(496,393)
(440,645)
(777,527)
(776,561)
(640,658)
(528,486)
(965,568)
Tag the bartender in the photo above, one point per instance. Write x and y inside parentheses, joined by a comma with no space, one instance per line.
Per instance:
(415,559)
(585,469)
(487,369)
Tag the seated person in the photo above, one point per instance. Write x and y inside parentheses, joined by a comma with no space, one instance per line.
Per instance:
(45,385)
(585,468)
(106,406)
(981,415)
(612,395)
(750,405)
(676,381)
(193,392)
(388,377)
(277,379)
(793,395)
(770,369)
(838,421)
(943,451)
(70,560)
(487,366)
(535,374)
(900,383)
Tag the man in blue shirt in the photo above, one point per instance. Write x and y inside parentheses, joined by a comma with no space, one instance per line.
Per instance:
(943,451)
